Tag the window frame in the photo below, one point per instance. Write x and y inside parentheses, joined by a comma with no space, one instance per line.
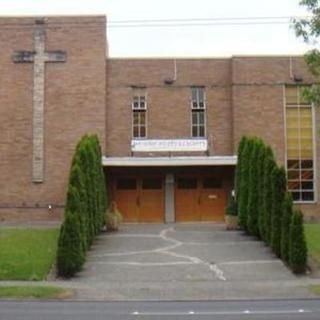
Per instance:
(139,110)
(197,110)
(314,147)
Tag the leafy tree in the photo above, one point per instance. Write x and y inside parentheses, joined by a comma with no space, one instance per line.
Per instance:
(297,244)
(253,190)
(279,186)
(268,165)
(287,209)
(309,30)
(237,183)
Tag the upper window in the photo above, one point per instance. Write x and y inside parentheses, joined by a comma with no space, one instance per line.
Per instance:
(198,98)
(300,145)
(139,115)
(139,103)
(198,123)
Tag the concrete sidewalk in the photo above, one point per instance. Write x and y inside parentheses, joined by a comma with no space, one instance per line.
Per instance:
(184,262)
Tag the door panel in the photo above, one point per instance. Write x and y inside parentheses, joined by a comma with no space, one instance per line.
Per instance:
(212,204)
(199,199)
(213,199)
(140,199)
(151,200)
(126,197)
(186,199)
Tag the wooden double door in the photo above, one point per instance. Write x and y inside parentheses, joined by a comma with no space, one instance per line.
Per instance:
(140,199)
(199,199)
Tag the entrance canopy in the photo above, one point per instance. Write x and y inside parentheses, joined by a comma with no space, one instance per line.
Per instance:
(169,161)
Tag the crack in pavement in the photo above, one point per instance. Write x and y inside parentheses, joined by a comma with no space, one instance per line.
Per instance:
(167,250)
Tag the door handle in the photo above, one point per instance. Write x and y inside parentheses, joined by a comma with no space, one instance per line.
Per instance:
(138,201)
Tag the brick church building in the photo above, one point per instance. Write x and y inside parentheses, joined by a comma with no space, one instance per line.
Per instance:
(169,128)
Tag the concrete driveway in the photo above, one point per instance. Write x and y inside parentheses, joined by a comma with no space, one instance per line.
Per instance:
(182,262)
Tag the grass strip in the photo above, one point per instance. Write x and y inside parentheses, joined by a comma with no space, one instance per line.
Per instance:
(38,292)
(27,254)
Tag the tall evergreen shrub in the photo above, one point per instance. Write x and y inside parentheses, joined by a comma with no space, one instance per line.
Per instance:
(268,166)
(85,206)
(297,244)
(76,181)
(244,184)
(260,174)
(70,255)
(279,187)
(287,210)
(238,171)
(253,190)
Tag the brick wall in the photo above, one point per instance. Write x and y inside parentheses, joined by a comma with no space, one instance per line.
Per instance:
(169,110)
(74,105)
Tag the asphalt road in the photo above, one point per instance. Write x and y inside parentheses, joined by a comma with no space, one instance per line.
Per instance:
(257,310)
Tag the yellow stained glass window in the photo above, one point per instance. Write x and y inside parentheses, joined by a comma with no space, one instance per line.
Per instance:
(300,144)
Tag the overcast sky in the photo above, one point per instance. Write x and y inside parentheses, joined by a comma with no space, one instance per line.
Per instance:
(222,40)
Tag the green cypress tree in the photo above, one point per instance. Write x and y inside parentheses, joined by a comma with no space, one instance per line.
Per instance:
(287,209)
(70,256)
(103,199)
(244,183)
(297,244)
(77,181)
(260,165)
(253,196)
(279,187)
(237,182)
(85,168)
(268,165)
(94,175)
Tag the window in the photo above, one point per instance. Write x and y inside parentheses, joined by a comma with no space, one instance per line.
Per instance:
(212,183)
(126,184)
(187,183)
(198,124)
(139,120)
(300,145)
(151,184)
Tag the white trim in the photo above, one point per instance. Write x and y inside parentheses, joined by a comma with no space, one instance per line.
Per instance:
(169,161)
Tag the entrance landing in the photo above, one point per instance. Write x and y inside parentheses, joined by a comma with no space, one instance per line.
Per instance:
(183,262)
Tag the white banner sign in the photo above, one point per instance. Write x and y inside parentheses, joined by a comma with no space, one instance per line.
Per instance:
(169,145)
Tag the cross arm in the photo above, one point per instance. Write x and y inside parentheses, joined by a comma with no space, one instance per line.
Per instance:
(23,56)
(55,56)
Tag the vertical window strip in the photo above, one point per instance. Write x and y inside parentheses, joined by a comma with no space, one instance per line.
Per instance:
(139,115)
(300,145)
(198,123)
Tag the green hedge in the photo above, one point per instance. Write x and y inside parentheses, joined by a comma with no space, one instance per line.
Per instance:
(264,206)
(86,203)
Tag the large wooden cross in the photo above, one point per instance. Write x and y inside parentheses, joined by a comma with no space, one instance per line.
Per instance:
(39,57)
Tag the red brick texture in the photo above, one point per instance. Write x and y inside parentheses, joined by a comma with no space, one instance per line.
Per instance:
(74,105)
